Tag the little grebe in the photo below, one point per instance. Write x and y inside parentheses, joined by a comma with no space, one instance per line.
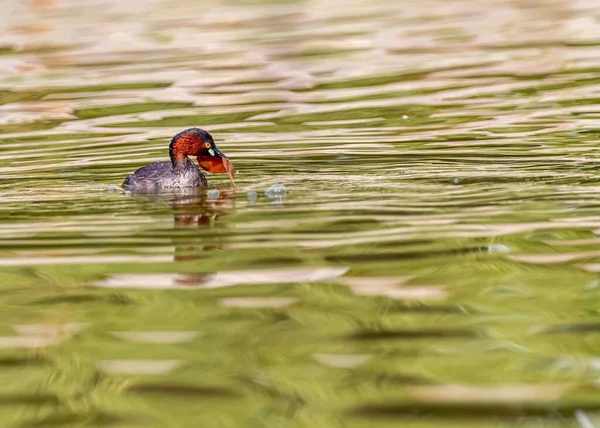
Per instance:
(182,172)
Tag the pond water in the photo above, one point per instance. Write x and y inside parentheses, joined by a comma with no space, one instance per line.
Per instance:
(434,262)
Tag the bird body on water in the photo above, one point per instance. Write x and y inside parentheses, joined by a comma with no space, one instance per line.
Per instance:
(181,172)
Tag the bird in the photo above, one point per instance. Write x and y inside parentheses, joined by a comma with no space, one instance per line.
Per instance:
(181,172)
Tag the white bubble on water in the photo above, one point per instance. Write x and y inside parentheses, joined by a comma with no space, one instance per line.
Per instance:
(276,191)
(213,194)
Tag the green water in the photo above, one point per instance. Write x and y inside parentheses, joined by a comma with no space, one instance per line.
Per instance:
(434,262)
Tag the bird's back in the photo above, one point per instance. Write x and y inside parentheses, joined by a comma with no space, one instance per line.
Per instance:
(161,175)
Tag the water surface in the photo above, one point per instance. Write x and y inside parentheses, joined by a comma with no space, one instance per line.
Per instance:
(434,262)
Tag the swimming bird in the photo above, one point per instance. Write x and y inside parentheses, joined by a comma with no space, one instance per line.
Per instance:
(181,172)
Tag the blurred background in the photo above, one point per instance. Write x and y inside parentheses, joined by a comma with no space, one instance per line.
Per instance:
(433,262)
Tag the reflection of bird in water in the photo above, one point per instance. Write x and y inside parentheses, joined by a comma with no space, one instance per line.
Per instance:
(196,209)
(192,209)
(181,172)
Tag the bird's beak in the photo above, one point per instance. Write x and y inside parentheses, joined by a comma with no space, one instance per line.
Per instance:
(216,162)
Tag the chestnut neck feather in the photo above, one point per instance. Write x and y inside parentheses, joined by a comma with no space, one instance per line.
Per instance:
(180,148)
